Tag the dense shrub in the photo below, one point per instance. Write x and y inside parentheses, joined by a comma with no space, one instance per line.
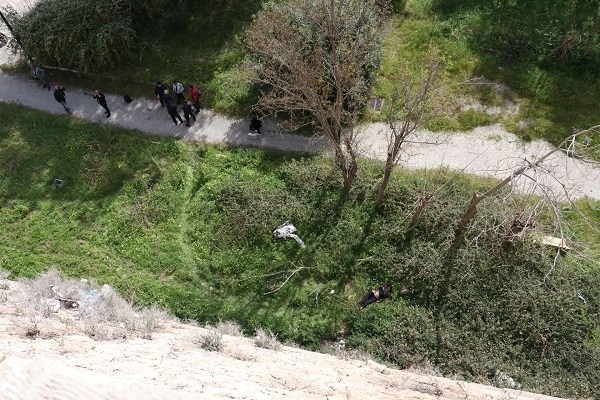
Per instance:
(84,34)
(485,304)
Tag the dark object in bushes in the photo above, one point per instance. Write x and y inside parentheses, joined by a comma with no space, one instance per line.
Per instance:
(127,99)
(382,292)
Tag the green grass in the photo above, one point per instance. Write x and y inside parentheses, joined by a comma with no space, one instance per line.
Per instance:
(555,99)
(188,227)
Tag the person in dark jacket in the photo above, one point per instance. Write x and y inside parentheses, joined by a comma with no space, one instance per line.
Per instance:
(188,112)
(255,124)
(172,109)
(59,95)
(39,74)
(101,99)
(382,292)
(166,98)
(159,91)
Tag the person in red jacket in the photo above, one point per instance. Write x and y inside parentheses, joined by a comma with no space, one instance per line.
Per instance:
(195,94)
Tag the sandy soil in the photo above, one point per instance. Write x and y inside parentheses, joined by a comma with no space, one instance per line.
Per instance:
(63,363)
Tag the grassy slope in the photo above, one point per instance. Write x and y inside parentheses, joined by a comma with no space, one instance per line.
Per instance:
(189,227)
(556,99)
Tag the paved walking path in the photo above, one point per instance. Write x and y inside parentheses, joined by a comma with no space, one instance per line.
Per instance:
(486,151)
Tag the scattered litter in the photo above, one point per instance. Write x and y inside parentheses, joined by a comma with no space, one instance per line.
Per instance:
(89,298)
(62,299)
(253,136)
(559,243)
(53,305)
(580,297)
(332,291)
(287,230)
(56,292)
(502,379)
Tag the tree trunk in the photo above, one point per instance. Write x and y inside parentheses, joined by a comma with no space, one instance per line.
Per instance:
(421,205)
(389,165)
(12,31)
(349,176)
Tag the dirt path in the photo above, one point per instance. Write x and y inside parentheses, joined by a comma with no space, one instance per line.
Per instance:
(486,151)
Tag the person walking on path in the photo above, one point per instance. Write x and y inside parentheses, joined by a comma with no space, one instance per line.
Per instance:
(166,98)
(255,124)
(159,91)
(101,99)
(188,112)
(59,95)
(178,89)
(195,94)
(39,74)
(172,109)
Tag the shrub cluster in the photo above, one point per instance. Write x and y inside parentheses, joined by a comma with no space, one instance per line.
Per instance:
(479,304)
(85,34)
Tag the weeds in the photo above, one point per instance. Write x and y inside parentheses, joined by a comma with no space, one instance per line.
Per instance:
(229,328)
(212,341)
(266,339)
(4,273)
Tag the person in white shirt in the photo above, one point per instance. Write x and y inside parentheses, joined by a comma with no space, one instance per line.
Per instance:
(178,90)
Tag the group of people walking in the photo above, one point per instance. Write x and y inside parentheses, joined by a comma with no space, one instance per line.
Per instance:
(190,107)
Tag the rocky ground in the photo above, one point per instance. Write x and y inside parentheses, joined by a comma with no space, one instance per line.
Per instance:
(59,361)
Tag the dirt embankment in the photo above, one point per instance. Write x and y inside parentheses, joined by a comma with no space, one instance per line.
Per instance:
(59,361)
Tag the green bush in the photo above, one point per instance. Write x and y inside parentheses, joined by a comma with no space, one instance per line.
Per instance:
(84,34)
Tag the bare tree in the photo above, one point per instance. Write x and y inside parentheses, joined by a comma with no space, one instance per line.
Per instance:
(566,145)
(315,60)
(411,105)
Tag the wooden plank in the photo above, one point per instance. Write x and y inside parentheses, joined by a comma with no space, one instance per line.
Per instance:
(555,242)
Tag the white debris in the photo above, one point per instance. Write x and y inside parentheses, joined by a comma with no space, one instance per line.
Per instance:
(580,297)
(287,230)
(53,305)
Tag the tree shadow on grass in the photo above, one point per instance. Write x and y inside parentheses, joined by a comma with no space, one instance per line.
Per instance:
(49,157)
